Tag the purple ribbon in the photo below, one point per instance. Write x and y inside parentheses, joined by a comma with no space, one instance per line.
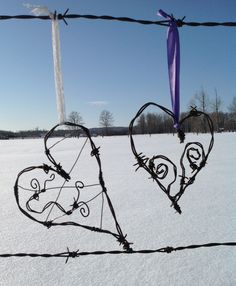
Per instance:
(173,56)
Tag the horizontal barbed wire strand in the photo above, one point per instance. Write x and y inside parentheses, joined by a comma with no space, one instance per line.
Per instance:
(65,16)
(73,254)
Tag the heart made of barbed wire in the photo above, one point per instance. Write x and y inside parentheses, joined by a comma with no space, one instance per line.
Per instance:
(72,191)
(173,178)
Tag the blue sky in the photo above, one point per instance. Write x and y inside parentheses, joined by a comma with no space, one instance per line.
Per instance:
(111,65)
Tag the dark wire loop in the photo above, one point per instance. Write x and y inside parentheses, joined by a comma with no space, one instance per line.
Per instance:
(194,155)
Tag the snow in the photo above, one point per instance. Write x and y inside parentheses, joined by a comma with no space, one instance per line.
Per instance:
(143,212)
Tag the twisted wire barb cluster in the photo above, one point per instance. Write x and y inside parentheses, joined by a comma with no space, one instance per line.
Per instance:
(180,22)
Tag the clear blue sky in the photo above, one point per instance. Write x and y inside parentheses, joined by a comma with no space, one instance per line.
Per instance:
(111,65)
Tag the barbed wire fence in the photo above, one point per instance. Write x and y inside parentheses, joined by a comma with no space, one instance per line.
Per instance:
(76,254)
(65,16)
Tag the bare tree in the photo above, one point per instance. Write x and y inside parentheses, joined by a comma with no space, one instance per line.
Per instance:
(232,109)
(106,120)
(232,106)
(201,101)
(75,117)
(151,121)
(141,124)
(216,107)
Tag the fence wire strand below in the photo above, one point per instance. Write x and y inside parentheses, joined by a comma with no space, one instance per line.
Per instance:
(75,254)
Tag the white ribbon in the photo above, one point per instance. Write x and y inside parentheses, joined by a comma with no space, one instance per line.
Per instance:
(40,10)
(57,70)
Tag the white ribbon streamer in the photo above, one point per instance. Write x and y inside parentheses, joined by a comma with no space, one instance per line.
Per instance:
(42,10)
(57,70)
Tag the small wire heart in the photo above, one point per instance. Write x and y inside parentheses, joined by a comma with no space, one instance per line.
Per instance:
(163,170)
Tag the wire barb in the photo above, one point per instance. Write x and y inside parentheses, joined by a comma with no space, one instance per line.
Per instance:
(62,17)
(72,254)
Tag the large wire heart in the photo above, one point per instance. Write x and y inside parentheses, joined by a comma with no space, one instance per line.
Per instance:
(54,195)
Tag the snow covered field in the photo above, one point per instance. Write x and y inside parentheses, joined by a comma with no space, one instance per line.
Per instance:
(143,212)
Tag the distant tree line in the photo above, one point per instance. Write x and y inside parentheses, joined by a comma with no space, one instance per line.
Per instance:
(147,123)
(98,131)
(36,133)
(151,123)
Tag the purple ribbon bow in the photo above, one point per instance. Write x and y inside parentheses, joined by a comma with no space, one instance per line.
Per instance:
(173,56)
